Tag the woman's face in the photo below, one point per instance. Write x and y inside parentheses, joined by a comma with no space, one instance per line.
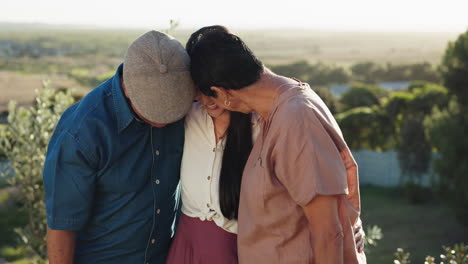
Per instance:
(210,106)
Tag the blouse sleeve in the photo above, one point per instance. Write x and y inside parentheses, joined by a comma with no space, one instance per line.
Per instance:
(306,160)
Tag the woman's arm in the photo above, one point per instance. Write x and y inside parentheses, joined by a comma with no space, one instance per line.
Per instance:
(325,228)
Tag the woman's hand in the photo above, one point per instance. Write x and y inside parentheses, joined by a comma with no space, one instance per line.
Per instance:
(359,235)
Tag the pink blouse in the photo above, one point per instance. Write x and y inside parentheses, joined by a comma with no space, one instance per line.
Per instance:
(300,153)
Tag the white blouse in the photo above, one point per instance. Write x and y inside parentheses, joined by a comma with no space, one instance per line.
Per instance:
(201,167)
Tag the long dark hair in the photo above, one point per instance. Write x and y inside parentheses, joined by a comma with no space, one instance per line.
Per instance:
(239,133)
(220,58)
(236,152)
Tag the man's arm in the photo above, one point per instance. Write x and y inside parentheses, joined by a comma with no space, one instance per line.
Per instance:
(326,231)
(60,246)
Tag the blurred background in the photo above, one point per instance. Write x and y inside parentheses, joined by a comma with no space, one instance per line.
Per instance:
(394,74)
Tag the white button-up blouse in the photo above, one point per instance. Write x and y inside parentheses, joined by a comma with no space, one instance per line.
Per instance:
(201,167)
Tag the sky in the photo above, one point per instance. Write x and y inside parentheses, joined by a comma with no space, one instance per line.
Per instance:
(346,15)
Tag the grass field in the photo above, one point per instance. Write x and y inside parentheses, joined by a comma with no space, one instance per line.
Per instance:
(420,229)
(21,87)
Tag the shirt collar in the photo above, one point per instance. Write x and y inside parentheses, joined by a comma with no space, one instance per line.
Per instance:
(123,111)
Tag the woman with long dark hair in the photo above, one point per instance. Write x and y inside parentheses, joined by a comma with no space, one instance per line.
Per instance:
(217,146)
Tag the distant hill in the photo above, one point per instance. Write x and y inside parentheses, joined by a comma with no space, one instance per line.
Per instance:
(80,57)
(273,46)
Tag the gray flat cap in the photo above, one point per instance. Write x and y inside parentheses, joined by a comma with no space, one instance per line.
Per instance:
(157,78)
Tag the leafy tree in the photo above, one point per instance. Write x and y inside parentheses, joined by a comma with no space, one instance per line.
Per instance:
(447,128)
(447,132)
(366,72)
(24,141)
(360,95)
(414,150)
(327,96)
(298,69)
(366,128)
(397,103)
(426,97)
(454,68)
(315,74)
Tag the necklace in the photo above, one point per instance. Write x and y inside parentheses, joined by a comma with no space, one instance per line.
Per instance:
(219,135)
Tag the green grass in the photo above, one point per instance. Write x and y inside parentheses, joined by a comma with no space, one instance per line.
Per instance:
(419,229)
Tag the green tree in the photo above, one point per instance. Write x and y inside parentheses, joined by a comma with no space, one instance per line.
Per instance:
(327,96)
(360,95)
(367,72)
(366,128)
(24,141)
(318,74)
(414,149)
(454,68)
(447,132)
(407,110)
(447,128)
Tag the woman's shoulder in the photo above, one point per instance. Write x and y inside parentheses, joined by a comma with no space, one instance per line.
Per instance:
(196,113)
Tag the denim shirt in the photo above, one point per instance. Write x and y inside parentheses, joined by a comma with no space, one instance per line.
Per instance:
(113,179)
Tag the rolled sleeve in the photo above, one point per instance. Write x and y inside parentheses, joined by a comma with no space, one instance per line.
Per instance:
(69,182)
(307,161)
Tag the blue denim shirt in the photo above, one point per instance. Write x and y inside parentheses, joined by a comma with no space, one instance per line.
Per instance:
(113,179)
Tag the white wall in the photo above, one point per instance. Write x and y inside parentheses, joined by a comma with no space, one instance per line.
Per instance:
(382,168)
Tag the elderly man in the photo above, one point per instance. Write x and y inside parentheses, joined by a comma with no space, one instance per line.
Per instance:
(112,166)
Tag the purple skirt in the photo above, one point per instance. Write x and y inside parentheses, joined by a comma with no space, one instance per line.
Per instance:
(202,242)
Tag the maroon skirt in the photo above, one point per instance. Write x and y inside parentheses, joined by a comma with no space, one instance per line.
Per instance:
(202,242)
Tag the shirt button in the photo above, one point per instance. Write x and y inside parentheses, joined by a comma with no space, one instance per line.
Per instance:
(157,181)
(209,177)
(153,241)
(208,205)
(157,152)
(158,211)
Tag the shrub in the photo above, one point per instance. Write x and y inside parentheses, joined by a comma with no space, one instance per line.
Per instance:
(458,254)
(24,142)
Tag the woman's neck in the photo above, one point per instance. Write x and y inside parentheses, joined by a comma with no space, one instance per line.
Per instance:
(261,95)
(221,124)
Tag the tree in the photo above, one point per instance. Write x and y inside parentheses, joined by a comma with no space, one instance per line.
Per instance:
(454,68)
(414,150)
(366,128)
(407,111)
(316,74)
(447,128)
(24,141)
(366,72)
(327,96)
(360,95)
